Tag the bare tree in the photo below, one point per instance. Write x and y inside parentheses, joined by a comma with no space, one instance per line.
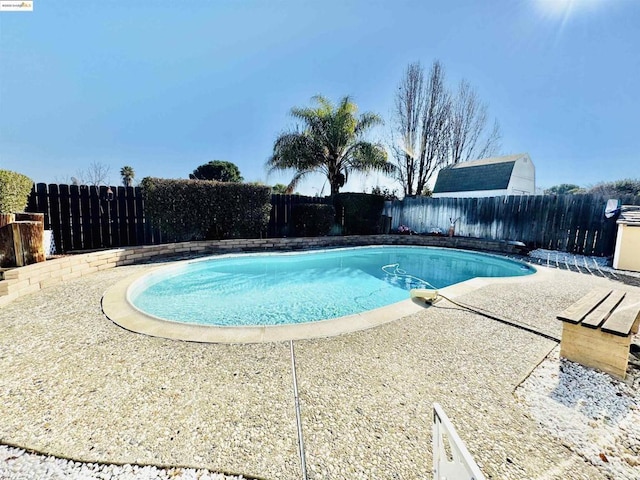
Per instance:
(421,121)
(97,173)
(467,125)
(433,128)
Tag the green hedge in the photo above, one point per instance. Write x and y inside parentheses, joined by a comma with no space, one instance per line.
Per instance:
(202,209)
(360,212)
(14,191)
(312,220)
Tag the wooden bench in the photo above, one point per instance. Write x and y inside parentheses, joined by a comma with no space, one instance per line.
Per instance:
(597,330)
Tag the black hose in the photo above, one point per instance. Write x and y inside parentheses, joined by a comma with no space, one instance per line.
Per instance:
(512,323)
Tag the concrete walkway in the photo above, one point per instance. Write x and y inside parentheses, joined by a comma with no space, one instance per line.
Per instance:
(73,384)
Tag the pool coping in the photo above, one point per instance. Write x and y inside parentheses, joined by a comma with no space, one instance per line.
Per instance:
(117,308)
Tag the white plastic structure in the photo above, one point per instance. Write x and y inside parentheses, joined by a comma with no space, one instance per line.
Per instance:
(48,244)
(451,459)
(427,294)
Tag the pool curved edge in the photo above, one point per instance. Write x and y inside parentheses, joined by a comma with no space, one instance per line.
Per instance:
(117,308)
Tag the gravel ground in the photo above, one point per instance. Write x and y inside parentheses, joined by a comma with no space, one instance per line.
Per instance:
(75,385)
(588,411)
(15,463)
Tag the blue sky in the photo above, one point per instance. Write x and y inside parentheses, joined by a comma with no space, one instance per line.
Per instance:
(165,86)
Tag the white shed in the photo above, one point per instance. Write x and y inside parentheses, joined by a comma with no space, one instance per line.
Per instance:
(488,177)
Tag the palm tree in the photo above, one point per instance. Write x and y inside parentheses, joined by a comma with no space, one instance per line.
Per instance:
(331,142)
(127,175)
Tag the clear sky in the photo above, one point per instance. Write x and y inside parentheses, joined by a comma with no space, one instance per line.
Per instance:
(165,86)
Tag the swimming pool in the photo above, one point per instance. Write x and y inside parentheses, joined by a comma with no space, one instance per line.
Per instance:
(284,288)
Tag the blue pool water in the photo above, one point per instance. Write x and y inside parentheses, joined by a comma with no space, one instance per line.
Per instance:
(307,286)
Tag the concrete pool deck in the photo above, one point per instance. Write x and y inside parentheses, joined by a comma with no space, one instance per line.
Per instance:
(74,384)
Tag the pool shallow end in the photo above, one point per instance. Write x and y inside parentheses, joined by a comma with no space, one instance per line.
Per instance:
(117,308)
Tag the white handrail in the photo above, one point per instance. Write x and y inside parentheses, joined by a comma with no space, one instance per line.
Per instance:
(454,463)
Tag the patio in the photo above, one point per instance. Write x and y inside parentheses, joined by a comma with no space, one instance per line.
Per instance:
(76,385)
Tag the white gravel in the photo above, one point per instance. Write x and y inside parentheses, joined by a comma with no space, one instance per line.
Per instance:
(589,412)
(17,464)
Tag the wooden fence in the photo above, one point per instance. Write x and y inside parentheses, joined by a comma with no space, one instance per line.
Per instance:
(281,212)
(569,223)
(86,217)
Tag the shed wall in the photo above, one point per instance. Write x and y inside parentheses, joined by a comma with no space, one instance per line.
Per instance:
(523,178)
(627,253)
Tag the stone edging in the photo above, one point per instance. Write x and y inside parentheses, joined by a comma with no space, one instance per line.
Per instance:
(32,278)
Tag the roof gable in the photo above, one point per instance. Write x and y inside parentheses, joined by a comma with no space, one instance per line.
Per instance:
(491,176)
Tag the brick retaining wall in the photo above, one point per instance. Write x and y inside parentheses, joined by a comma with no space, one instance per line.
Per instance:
(32,278)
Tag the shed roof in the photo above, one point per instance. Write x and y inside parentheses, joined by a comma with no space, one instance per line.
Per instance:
(485,161)
(475,176)
(629,215)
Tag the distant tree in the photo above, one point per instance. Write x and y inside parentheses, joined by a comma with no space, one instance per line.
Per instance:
(279,188)
(384,192)
(330,142)
(563,189)
(627,186)
(468,139)
(97,173)
(426,192)
(217,170)
(127,175)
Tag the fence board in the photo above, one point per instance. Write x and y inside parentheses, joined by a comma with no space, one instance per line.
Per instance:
(86,226)
(144,229)
(42,204)
(592,234)
(54,212)
(132,219)
(122,217)
(528,228)
(76,216)
(539,225)
(65,216)
(549,222)
(96,216)
(582,225)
